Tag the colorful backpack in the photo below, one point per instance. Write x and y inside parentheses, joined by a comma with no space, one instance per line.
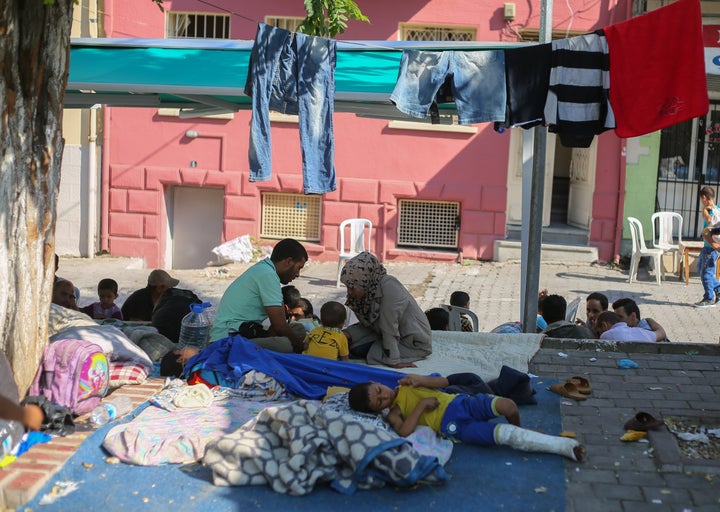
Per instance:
(74,374)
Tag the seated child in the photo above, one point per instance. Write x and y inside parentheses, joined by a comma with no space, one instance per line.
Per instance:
(439,319)
(419,401)
(462,300)
(105,307)
(303,312)
(290,296)
(328,340)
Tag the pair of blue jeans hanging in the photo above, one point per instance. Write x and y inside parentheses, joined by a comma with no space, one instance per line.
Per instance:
(293,74)
(478,83)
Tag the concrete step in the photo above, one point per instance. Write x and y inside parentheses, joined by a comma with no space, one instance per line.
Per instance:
(555,233)
(510,250)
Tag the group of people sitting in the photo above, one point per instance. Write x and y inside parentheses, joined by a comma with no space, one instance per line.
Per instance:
(623,323)
(391,330)
(159,303)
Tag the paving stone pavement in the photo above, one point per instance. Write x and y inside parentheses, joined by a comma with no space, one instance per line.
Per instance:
(680,379)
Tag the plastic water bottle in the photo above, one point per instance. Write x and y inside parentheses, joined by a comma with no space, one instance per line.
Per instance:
(195,327)
(110,410)
(11,433)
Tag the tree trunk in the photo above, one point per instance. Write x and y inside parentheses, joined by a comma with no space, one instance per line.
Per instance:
(34,50)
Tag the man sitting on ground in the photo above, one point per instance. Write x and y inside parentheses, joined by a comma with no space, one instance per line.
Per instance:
(611,327)
(553,311)
(629,312)
(595,303)
(64,294)
(140,304)
(256,295)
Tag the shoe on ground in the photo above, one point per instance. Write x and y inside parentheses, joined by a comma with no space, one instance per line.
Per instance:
(706,303)
(642,422)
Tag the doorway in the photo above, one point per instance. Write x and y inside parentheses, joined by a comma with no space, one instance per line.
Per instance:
(568,192)
(195,225)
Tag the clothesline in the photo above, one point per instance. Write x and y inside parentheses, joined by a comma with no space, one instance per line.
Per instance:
(578,86)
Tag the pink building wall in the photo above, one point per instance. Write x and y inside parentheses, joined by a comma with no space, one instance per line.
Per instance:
(145,153)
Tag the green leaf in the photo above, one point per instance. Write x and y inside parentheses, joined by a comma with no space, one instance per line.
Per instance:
(327,18)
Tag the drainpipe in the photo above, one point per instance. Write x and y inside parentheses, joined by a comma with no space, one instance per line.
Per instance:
(92,192)
(619,216)
(105,182)
(105,162)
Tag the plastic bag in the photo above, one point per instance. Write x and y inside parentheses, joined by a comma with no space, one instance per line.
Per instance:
(239,249)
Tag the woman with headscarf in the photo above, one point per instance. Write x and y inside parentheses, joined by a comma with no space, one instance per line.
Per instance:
(392,329)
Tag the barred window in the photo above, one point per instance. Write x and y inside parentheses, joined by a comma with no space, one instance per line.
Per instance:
(424,32)
(198,25)
(290,23)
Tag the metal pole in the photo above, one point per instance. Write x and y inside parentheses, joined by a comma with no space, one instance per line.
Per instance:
(533,209)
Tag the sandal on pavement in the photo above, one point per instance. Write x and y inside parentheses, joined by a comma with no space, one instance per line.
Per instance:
(643,422)
(581,383)
(568,390)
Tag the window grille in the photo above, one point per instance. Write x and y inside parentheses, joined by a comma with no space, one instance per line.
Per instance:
(411,32)
(291,216)
(428,223)
(198,25)
(533,34)
(290,23)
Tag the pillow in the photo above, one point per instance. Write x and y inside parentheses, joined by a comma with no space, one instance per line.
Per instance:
(61,318)
(127,372)
(339,402)
(116,345)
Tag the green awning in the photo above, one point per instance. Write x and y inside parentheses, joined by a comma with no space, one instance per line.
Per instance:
(208,76)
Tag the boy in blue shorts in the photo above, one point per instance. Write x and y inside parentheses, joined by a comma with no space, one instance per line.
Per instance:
(708,255)
(419,400)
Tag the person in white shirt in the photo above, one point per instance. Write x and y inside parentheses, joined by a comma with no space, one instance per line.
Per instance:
(610,327)
(629,312)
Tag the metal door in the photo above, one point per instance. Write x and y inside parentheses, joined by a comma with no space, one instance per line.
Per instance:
(689,160)
(195,224)
(515,174)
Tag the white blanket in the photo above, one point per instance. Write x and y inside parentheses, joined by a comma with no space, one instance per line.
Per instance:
(478,352)
(66,323)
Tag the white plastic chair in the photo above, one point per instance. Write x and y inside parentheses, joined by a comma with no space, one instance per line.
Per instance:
(639,249)
(455,324)
(572,309)
(667,233)
(355,243)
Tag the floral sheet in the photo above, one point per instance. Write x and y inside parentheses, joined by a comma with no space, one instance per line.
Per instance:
(159,436)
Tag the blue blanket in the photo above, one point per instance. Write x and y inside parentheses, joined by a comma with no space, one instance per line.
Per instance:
(496,479)
(225,362)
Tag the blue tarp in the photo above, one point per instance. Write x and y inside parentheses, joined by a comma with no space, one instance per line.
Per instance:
(226,361)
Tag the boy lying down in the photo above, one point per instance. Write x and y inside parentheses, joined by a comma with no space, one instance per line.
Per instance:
(419,401)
